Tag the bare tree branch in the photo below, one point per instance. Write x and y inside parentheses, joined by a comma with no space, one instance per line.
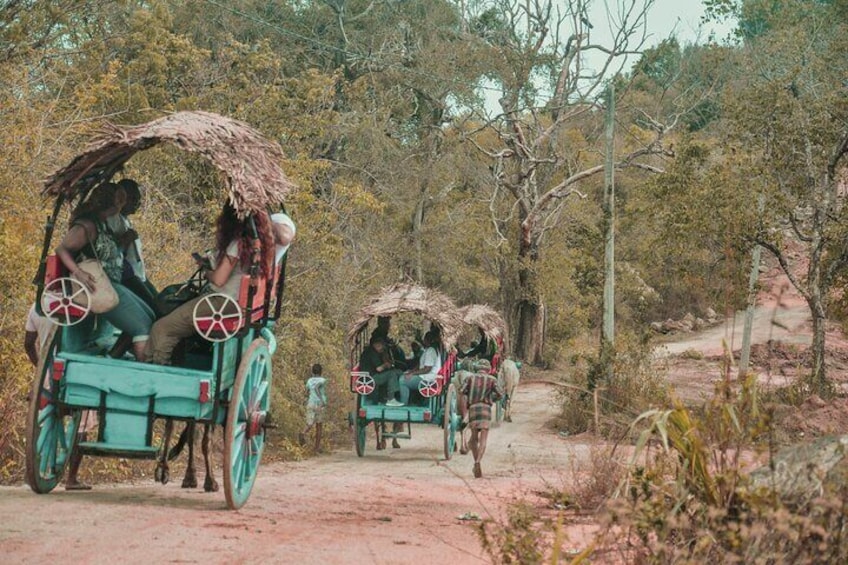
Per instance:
(784,264)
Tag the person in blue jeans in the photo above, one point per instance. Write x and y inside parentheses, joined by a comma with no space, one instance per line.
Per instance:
(89,237)
(428,369)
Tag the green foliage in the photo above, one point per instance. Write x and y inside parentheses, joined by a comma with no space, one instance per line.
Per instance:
(612,402)
(693,221)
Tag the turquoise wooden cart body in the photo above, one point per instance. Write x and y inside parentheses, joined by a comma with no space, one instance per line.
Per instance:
(436,401)
(223,380)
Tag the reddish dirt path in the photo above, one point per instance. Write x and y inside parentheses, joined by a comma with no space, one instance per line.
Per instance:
(395,506)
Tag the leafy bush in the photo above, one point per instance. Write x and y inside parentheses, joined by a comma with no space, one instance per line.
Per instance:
(634,387)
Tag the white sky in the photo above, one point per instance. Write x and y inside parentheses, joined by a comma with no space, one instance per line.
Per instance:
(666,18)
(681,18)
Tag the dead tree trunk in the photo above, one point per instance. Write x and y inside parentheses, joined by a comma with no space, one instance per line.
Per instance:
(529,336)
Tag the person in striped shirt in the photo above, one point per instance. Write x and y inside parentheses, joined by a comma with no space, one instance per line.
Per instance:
(479,392)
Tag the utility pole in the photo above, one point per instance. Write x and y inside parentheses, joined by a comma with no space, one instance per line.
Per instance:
(609,227)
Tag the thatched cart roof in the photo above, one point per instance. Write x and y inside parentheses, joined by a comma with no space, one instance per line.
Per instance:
(250,163)
(487,319)
(431,304)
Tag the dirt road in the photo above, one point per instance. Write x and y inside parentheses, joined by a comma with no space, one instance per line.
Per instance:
(393,506)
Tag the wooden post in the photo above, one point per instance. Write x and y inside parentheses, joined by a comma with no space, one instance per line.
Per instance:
(597,416)
(745,356)
(608,339)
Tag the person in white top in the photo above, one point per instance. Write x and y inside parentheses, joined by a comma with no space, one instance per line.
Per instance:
(234,251)
(284,232)
(36,330)
(428,369)
(316,405)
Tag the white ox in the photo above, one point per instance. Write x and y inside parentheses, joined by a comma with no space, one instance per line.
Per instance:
(508,377)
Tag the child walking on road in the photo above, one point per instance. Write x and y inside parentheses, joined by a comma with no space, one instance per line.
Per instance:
(315,405)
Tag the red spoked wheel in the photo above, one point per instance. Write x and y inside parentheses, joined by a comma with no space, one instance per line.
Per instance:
(363,383)
(430,387)
(65,301)
(217,317)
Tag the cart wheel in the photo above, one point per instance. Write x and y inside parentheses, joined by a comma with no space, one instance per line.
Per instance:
(217,317)
(361,436)
(450,421)
(360,425)
(51,431)
(364,384)
(429,387)
(65,301)
(244,435)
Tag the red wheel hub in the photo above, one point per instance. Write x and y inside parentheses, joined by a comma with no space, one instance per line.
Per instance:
(256,423)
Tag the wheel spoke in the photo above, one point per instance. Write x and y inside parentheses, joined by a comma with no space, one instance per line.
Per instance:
(242,410)
(238,451)
(256,444)
(52,307)
(80,291)
(250,378)
(47,412)
(51,456)
(44,438)
(246,474)
(238,465)
(239,432)
(209,330)
(259,401)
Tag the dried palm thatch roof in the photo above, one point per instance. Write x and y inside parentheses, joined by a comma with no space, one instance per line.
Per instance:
(432,304)
(487,319)
(250,162)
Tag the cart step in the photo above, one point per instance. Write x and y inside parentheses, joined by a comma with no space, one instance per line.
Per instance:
(397,435)
(118,450)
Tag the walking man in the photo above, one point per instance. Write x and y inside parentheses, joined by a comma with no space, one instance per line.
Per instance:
(479,392)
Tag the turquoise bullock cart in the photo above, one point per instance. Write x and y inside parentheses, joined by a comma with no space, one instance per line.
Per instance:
(224,377)
(435,401)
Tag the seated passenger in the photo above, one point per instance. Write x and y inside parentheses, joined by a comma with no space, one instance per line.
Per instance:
(284,232)
(394,351)
(233,258)
(376,363)
(134,275)
(428,369)
(90,237)
(478,348)
(413,360)
(382,330)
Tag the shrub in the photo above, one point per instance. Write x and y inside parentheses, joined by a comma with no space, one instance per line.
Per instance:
(635,386)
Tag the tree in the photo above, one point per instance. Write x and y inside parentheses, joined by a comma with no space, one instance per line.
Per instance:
(789,110)
(534,46)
